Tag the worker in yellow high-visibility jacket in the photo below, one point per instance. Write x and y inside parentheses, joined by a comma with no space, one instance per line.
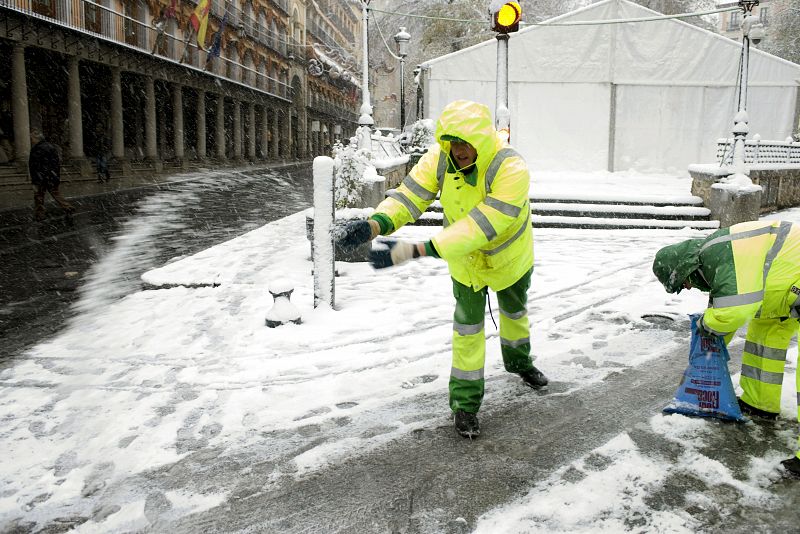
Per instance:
(752,274)
(486,240)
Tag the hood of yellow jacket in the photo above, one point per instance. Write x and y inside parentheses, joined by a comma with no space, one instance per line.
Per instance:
(470,122)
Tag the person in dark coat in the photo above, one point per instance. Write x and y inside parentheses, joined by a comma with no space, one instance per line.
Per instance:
(103,147)
(44,166)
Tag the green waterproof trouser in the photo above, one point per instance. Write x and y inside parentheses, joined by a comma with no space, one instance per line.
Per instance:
(469,341)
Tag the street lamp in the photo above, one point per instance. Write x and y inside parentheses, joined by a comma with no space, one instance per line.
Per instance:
(753,31)
(402,38)
(505,20)
(365,121)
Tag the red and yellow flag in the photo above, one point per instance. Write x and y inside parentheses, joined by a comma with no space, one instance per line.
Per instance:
(199,21)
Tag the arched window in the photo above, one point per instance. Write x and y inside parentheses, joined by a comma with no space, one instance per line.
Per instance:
(273,35)
(232,54)
(262,71)
(249,74)
(273,79)
(248,18)
(283,91)
(261,31)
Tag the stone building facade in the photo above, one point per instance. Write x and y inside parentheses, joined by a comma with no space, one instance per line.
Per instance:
(129,75)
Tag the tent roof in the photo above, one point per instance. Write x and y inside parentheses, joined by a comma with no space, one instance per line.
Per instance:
(661,52)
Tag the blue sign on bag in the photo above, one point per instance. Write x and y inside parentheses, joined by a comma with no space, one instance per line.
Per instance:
(706,389)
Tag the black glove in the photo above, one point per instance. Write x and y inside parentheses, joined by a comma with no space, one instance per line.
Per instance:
(355,233)
(393,253)
(703,330)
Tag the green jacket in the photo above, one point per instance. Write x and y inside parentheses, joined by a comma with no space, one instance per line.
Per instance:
(487,237)
(749,270)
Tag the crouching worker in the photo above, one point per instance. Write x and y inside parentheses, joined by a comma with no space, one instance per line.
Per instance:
(487,242)
(752,274)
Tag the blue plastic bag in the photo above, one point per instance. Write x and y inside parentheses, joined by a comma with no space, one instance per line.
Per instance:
(706,389)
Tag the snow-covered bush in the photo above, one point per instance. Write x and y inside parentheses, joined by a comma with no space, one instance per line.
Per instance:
(422,136)
(350,173)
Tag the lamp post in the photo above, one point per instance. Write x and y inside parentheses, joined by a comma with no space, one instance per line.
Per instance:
(753,31)
(365,121)
(418,85)
(505,20)
(402,38)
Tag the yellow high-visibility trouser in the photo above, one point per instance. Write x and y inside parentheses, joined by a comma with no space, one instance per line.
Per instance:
(763,362)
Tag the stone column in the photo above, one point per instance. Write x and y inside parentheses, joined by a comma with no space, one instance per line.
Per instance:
(117,131)
(237,129)
(265,132)
(275,133)
(251,131)
(201,124)
(74,110)
(177,120)
(151,149)
(283,134)
(220,126)
(19,106)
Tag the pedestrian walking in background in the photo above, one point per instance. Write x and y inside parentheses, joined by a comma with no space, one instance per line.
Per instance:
(44,166)
(103,146)
(487,242)
(752,274)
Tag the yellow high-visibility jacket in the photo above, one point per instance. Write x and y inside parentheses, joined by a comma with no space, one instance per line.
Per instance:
(487,238)
(750,270)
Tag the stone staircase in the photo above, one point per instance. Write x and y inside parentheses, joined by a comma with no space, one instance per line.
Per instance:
(610,213)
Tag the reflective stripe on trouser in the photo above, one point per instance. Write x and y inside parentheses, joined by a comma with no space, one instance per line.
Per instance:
(763,360)
(515,332)
(469,349)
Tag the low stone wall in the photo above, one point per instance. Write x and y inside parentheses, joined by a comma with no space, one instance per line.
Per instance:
(377,191)
(780,190)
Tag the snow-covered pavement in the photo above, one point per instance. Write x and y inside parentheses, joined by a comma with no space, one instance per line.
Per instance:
(162,374)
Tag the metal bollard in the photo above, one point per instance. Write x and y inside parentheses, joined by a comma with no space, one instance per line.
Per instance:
(282,311)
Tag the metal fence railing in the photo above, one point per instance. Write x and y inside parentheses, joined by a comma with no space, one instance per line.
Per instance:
(759,151)
(386,147)
(134,27)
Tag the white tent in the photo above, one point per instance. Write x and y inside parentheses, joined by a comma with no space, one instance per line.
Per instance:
(644,95)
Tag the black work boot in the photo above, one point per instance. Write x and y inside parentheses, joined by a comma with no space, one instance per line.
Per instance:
(752,411)
(534,378)
(467,424)
(792,465)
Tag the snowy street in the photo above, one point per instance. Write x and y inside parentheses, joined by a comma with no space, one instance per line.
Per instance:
(176,409)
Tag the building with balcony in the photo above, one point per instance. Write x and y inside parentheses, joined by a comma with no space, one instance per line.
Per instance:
(131,75)
(334,93)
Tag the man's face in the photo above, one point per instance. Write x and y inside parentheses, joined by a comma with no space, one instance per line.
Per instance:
(464,154)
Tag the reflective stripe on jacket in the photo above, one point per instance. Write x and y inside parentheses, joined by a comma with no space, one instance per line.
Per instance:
(751,269)
(487,237)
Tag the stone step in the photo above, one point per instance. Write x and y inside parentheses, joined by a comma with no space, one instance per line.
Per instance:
(615,211)
(430,218)
(621,211)
(629,200)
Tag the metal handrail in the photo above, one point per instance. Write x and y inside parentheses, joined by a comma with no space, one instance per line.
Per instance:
(760,151)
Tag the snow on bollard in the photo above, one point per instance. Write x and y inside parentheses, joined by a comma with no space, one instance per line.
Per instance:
(324,259)
(283,311)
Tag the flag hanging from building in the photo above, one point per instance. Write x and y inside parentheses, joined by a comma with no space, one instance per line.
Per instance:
(199,21)
(216,44)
